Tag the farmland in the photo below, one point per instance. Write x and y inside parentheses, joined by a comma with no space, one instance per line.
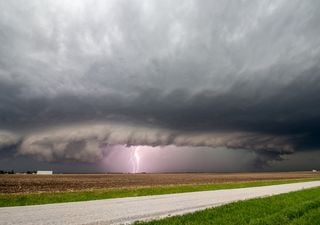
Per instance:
(85,182)
(41,189)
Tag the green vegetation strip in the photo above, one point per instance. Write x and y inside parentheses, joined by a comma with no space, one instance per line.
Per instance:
(58,197)
(296,208)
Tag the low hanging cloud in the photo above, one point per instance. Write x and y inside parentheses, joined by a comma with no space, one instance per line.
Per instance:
(238,74)
(8,140)
(88,142)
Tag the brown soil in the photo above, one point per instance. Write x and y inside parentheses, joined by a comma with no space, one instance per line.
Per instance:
(75,182)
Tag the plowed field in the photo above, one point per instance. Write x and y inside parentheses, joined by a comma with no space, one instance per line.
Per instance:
(75,182)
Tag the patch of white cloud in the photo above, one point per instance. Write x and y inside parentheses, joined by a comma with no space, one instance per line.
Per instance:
(8,139)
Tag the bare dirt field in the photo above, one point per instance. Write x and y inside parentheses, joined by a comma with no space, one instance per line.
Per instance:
(75,182)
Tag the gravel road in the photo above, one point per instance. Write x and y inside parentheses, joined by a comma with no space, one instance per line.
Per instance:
(128,210)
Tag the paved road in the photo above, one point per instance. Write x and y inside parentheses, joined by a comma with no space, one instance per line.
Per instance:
(128,210)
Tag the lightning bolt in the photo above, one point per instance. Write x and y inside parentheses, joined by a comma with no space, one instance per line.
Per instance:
(135,159)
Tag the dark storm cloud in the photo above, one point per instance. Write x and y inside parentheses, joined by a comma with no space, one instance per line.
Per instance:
(249,68)
(90,142)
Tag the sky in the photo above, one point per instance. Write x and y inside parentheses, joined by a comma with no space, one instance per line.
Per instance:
(159,86)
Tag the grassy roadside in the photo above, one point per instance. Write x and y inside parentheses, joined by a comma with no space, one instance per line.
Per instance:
(58,197)
(296,208)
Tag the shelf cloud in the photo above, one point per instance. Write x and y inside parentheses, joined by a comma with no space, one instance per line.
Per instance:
(88,142)
(77,77)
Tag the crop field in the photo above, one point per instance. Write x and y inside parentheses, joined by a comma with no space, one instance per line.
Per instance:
(85,182)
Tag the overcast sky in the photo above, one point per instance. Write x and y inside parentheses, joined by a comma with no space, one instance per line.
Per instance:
(148,85)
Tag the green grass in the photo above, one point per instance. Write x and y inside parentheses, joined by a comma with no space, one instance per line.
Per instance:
(46,198)
(296,208)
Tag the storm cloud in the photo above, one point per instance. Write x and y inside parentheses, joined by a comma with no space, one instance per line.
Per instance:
(8,140)
(79,76)
(88,142)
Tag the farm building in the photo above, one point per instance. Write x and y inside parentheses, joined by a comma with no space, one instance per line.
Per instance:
(44,172)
